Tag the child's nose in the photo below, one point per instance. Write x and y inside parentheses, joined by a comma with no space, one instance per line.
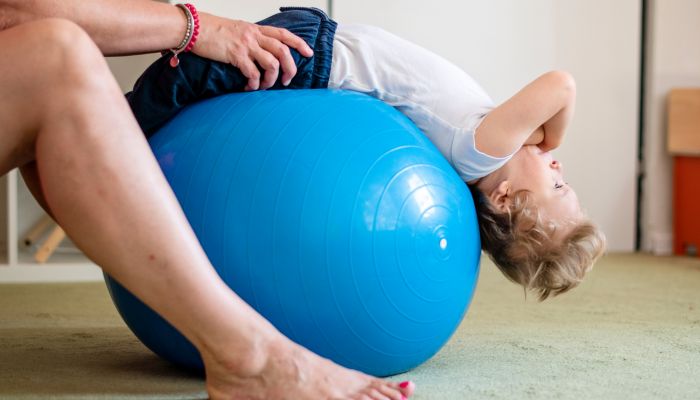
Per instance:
(555,164)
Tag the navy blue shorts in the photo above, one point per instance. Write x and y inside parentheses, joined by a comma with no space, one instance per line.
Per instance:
(162,91)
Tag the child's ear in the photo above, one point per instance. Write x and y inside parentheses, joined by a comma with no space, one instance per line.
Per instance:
(499,196)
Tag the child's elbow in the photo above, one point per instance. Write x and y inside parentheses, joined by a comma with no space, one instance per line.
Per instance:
(564,81)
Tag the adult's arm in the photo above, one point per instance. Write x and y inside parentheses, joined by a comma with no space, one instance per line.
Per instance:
(162,91)
(122,27)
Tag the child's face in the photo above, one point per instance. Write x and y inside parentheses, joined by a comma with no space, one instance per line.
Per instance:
(539,173)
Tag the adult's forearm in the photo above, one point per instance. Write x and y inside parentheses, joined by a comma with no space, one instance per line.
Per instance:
(119,27)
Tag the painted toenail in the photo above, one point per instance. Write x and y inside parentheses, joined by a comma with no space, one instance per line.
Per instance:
(404,384)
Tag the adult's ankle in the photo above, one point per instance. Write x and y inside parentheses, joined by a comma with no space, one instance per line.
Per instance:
(244,353)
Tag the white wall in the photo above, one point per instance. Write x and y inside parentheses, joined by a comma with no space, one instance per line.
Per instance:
(673,60)
(128,69)
(506,43)
(253,10)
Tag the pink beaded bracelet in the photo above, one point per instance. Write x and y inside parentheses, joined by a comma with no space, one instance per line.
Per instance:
(191,33)
(195,32)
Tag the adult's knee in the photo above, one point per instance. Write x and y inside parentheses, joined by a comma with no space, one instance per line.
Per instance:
(72,77)
(68,52)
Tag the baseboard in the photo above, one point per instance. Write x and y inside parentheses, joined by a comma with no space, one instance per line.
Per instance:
(659,243)
(50,273)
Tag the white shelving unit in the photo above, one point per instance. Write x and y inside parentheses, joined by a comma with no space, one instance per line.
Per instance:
(17,263)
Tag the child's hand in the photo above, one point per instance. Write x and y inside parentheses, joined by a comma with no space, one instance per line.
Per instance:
(539,139)
(536,138)
(550,142)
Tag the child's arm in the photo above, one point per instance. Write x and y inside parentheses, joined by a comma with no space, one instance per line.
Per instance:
(547,103)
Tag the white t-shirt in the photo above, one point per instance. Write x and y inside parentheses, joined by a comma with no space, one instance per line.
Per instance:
(440,98)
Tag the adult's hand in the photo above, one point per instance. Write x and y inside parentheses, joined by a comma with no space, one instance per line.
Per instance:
(119,27)
(244,45)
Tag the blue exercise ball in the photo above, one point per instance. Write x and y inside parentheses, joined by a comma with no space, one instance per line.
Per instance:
(331,214)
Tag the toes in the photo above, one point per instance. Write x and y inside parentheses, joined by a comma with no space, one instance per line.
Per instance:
(391,392)
(383,390)
(406,387)
(375,394)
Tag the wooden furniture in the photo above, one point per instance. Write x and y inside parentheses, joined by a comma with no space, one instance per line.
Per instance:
(684,121)
(684,145)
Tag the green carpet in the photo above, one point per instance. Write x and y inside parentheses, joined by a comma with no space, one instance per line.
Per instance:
(631,331)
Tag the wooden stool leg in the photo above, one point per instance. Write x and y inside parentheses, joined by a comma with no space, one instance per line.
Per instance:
(50,245)
(37,230)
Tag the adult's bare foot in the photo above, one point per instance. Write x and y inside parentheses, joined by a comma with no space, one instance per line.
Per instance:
(284,370)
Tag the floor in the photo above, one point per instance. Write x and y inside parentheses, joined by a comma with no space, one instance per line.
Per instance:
(630,331)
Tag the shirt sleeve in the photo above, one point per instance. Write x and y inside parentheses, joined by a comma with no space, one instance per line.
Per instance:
(470,162)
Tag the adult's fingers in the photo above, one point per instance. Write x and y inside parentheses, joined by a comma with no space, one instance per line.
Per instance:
(288,38)
(281,53)
(269,64)
(250,71)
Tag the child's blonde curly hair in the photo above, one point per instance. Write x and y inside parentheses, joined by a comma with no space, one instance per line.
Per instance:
(523,247)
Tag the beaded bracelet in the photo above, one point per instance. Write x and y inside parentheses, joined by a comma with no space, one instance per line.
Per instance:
(191,33)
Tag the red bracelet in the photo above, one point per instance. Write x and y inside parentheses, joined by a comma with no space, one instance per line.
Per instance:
(191,33)
(195,32)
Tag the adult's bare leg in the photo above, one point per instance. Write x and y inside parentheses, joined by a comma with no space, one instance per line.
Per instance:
(61,108)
